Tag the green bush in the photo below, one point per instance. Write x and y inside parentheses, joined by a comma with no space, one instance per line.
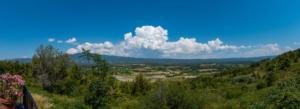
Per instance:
(261,85)
(140,85)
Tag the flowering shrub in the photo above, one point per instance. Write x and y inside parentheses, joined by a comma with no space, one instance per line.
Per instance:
(11,86)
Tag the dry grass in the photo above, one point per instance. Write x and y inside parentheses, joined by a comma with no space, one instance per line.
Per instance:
(42,102)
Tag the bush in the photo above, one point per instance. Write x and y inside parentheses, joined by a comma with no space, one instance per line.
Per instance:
(101,92)
(286,94)
(261,85)
(11,86)
(98,94)
(245,79)
(140,86)
(172,95)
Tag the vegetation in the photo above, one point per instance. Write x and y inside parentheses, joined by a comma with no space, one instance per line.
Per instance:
(11,86)
(59,83)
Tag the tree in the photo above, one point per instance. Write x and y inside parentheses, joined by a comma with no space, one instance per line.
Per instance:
(284,64)
(270,78)
(101,88)
(140,85)
(99,66)
(157,99)
(71,84)
(98,94)
(50,66)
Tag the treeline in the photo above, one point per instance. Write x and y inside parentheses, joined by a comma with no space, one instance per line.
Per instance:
(272,83)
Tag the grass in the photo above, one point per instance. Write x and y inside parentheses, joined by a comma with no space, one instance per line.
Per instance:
(42,101)
(47,100)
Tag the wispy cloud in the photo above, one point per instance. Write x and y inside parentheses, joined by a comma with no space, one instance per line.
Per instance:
(60,41)
(71,40)
(151,41)
(263,50)
(51,39)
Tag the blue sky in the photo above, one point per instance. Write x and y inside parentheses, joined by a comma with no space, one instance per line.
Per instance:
(245,28)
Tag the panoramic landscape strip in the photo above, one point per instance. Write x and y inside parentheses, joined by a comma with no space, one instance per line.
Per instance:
(149,54)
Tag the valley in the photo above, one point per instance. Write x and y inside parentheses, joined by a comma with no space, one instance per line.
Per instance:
(127,72)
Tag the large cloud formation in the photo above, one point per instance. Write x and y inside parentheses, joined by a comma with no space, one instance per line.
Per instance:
(152,42)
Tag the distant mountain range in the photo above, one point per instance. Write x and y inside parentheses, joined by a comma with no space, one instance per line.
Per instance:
(78,58)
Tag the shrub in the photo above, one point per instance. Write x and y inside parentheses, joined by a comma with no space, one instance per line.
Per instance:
(98,94)
(172,95)
(11,86)
(101,92)
(140,85)
(246,79)
(261,85)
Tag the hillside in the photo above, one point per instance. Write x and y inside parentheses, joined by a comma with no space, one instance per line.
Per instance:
(271,83)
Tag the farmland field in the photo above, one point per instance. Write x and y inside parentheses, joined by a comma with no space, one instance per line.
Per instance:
(127,72)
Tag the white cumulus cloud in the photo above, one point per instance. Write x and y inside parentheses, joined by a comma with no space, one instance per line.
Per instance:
(72,51)
(148,37)
(152,41)
(71,40)
(190,47)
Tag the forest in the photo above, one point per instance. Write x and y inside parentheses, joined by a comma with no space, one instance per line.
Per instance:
(57,82)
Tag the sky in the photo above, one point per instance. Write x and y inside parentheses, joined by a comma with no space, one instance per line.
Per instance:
(151,28)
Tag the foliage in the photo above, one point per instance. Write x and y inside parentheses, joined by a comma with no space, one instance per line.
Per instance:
(50,67)
(140,85)
(11,86)
(99,66)
(101,88)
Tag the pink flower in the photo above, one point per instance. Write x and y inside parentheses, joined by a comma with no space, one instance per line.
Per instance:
(12,86)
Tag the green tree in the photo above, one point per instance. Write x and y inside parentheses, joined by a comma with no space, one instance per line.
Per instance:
(157,99)
(140,85)
(99,66)
(98,94)
(50,67)
(71,84)
(102,87)
(270,78)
